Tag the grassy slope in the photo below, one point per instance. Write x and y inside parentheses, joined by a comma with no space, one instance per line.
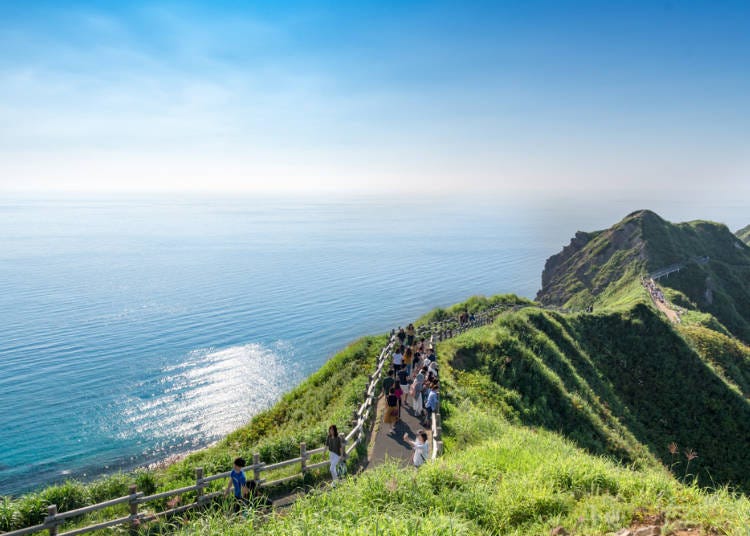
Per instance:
(472,305)
(722,286)
(499,479)
(596,267)
(625,384)
(498,476)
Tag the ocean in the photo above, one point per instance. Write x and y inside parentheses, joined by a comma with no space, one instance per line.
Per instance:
(136,328)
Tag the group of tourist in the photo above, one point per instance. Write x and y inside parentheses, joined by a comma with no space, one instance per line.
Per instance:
(466,318)
(655,291)
(412,384)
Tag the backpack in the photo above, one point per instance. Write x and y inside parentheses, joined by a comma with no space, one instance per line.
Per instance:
(341,469)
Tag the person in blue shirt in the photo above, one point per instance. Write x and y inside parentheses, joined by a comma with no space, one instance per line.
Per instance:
(432,403)
(239,481)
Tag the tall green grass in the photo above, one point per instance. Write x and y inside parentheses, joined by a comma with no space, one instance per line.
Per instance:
(498,478)
(625,384)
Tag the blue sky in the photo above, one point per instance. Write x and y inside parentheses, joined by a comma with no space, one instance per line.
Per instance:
(506,98)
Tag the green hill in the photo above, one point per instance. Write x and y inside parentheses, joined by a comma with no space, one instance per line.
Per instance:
(744,234)
(604,268)
(622,384)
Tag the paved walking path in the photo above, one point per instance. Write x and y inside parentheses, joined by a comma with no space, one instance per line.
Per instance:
(391,445)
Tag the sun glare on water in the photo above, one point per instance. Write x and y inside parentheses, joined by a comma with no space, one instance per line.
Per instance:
(209,394)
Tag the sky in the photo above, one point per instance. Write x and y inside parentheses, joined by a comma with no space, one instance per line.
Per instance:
(490,98)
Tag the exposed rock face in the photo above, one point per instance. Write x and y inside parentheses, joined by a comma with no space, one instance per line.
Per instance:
(591,260)
(599,268)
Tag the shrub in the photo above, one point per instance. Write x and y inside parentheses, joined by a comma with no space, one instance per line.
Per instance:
(109,488)
(67,496)
(145,481)
(31,510)
(7,514)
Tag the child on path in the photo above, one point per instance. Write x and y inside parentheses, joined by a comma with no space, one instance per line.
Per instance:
(238,480)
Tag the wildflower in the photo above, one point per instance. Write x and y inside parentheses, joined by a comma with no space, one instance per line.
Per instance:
(673,448)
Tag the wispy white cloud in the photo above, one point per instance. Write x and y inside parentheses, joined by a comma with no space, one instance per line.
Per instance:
(159,97)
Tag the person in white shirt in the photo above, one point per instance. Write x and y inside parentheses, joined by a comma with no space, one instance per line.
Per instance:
(398,359)
(420,446)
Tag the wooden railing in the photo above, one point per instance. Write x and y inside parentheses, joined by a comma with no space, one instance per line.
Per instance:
(361,417)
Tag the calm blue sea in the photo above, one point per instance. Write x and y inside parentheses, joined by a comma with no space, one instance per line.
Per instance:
(134,329)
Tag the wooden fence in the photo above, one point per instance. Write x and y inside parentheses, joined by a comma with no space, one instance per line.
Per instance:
(361,418)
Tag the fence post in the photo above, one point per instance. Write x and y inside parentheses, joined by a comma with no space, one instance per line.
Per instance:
(133,506)
(50,522)
(256,468)
(355,418)
(303,455)
(199,485)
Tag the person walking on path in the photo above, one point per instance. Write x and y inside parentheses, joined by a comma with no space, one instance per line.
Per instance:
(408,358)
(420,447)
(399,394)
(238,480)
(398,358)
(401,335)
(388,382)
(335,448)
(403,384)
(415,391)
(391,409)
(432,404)
(410,332)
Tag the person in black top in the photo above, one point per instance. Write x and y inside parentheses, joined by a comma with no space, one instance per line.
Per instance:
(388,382)
(403,378)
(391,409)
(401,335)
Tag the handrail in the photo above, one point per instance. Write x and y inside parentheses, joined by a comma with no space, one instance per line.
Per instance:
(438,331)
